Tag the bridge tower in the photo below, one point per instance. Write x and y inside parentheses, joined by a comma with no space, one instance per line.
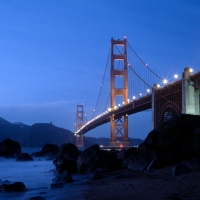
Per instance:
(119,126)
(79,124)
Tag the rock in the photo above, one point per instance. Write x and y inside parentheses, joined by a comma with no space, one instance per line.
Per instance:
(24,157)
(65,177)
(142,159)
(176,140)
(9,148)
(66,160)
(125,153)
(48,150)
(14,187)
(37,198)
(94,159)
(179,169)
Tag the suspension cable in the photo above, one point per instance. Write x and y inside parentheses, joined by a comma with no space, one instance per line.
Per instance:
(107,102)
(139,76)
(101,84)
(143,62)
(110,93)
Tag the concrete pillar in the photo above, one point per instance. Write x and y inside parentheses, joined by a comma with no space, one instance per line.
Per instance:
(190,104)
(155,87)
(197,98)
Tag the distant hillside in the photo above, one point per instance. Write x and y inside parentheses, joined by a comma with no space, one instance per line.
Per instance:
(14,131)
(41,133)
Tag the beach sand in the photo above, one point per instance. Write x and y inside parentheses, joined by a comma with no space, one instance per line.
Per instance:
(156,184)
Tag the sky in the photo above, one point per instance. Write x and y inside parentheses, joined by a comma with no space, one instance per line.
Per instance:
(53,53)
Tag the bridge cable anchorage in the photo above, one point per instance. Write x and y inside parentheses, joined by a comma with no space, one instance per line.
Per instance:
(144,62)
(101,83)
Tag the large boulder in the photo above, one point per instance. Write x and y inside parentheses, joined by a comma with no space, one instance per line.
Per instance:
(13,187)
(9,148)
(65,177)
(94,159)
(48,150)
(24,157)
(142,159)
(176,140)
(124,154)
(66,160)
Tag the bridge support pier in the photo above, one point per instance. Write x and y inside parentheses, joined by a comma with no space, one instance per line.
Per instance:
(190,94)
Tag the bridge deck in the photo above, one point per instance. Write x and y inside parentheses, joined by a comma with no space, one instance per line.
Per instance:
(168,93)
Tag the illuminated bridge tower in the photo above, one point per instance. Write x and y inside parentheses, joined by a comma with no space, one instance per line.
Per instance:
(119,126)
(79,124)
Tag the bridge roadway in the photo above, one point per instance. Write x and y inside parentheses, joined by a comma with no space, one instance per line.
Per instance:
(135,106)
(132,107)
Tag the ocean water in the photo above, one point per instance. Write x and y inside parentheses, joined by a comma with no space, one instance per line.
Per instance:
(37,176)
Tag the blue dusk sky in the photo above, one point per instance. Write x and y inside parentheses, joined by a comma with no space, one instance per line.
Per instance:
(53,53)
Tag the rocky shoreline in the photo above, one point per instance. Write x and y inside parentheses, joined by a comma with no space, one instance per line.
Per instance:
(166,165)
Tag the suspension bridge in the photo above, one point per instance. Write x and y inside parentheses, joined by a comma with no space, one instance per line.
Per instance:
(133,88)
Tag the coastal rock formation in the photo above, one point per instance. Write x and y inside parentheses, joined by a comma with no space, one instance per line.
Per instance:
(65,177)
(13,187)
(48,150)
(66,160)
(61,179)
(24,157)
(176,140)
(94,159)
(124,154)
(9,148)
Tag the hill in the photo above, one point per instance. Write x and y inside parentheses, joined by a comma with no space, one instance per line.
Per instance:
(41,133)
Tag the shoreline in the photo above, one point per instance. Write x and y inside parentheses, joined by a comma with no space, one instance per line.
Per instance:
(114,185)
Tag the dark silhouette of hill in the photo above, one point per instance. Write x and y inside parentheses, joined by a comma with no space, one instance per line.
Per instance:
(42,133)
(13,131)
(39,134)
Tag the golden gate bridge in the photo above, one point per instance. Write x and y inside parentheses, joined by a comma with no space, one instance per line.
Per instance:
(133,88)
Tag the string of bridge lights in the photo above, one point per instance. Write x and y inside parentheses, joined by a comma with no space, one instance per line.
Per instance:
(164,81)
